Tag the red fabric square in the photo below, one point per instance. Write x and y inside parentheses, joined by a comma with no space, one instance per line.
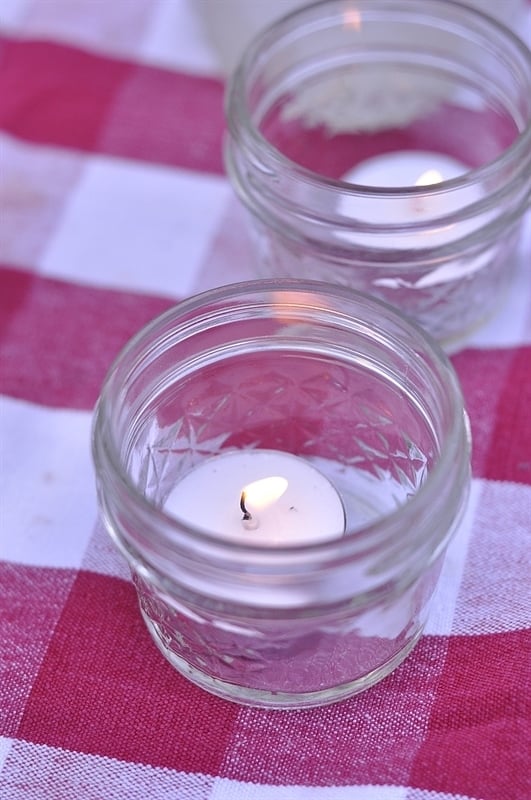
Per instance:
(482,375)
(56,94)
(509,457)
(61,95)
(168,117)
(31,601)
(483,710)
(105,689)
(58,339)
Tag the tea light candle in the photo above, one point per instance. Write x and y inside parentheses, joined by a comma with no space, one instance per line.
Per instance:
(405,169)
(264,497)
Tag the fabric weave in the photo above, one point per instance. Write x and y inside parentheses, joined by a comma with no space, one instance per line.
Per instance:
(113,207)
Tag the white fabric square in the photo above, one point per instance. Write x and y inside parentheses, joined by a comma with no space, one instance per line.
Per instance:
(137,227)
(48,494)
(5,747)
(114,28)
(176,38)
(511,324)
(32,773)
(225,789)
(103,556)
(494,595)
(427,794)
(35,183)
(444,601)
(169,33)
(12,12)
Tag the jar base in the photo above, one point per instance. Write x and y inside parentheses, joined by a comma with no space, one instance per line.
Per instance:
(281,701)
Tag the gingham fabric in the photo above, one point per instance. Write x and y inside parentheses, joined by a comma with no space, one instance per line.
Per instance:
(114,205)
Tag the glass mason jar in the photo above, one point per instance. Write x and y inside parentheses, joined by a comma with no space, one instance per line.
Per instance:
(335,381)
(385,145)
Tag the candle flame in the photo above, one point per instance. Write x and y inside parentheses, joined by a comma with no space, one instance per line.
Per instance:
(429,177)
(262,493)
(352,18)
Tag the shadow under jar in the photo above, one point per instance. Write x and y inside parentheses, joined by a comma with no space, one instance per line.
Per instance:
(386,146)
(369,413)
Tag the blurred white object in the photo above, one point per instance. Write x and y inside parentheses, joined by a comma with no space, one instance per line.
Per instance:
(343,103)
(231,24)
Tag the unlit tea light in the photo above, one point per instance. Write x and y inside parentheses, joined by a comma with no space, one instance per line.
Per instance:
(264,497)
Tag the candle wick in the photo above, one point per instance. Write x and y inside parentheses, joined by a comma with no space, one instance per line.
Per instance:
(249,523)
(246,514)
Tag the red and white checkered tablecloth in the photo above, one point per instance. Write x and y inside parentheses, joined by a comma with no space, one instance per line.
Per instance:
(113,206)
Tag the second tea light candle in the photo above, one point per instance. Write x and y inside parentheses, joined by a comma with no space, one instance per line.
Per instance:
(420,170)
(347,194)
(405,168)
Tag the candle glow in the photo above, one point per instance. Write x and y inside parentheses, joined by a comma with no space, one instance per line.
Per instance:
(258,495)
(262,493)
(429,177)
(352,19)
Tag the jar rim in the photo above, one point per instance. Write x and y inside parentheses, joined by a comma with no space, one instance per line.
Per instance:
(175,530)
(236,106)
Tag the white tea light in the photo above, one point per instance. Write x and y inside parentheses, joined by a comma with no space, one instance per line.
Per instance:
(406,169)
(264,497)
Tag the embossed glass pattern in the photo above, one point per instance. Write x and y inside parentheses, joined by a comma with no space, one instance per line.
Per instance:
(331,377)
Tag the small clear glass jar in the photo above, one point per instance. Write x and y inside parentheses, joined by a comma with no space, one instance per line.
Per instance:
(338,116)
(343,383)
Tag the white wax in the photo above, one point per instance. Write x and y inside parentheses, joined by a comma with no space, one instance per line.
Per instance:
(403,168)
(309,510)
(406,169)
